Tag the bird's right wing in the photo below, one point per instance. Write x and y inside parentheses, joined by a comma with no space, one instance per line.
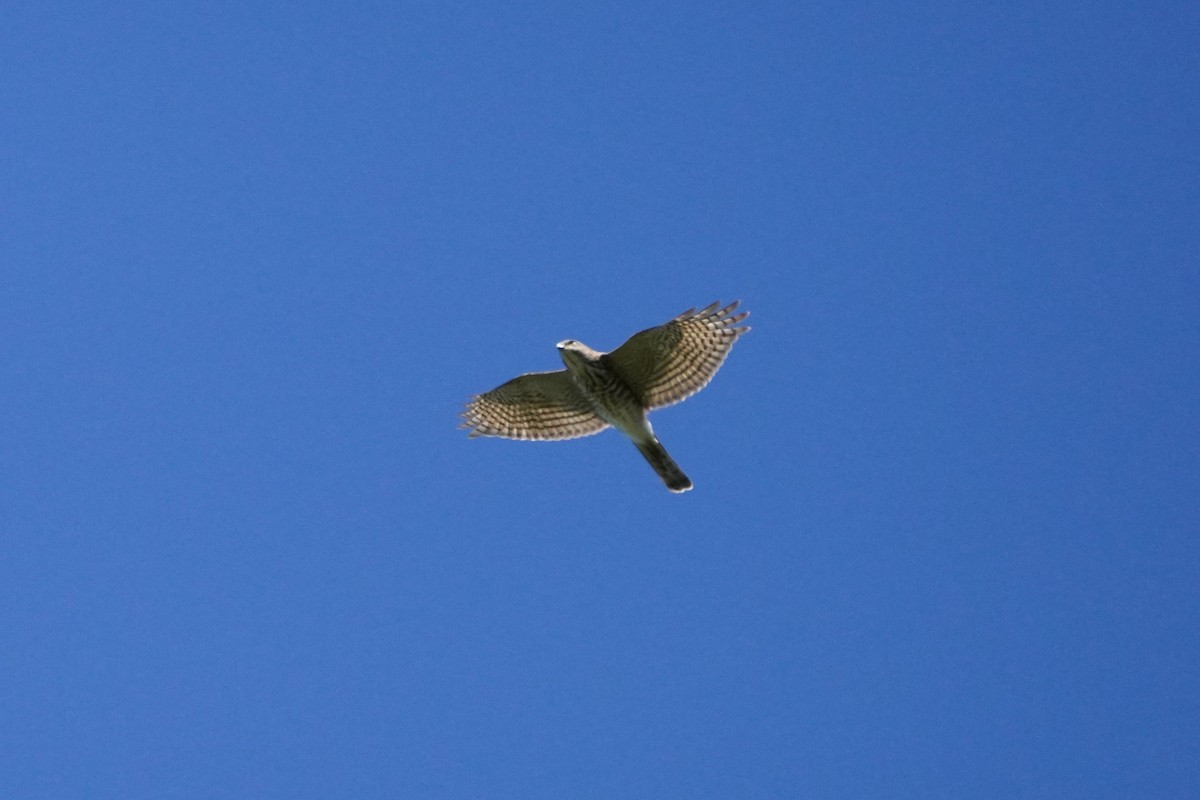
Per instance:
(540,405)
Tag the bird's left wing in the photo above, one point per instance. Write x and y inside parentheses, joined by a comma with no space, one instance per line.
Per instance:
(675,360)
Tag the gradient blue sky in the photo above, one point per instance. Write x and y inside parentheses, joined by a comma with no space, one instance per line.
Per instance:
(943,541)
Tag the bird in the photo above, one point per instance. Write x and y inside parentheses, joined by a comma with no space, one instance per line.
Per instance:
(657,367)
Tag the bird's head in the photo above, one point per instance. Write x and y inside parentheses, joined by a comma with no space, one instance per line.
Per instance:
(575,352)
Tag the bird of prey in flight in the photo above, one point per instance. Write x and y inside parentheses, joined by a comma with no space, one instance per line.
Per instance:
(655,368)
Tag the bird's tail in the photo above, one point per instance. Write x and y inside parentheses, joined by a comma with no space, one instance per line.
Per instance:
(664,465)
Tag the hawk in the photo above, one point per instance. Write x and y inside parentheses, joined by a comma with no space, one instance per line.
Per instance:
(658,367)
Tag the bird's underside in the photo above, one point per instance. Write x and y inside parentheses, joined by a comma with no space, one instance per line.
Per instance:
(657,367)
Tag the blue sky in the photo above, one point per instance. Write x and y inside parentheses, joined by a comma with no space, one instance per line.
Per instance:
(943,540)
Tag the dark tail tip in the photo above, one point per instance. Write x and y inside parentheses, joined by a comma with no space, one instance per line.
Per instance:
(678,483)
(665,466)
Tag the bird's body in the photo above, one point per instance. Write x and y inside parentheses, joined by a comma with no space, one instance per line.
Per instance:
(654,368)
(615,402)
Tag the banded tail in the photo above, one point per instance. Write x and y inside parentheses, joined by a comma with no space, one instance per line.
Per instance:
(664,465)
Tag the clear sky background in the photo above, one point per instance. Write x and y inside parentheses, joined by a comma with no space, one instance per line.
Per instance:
(944,536)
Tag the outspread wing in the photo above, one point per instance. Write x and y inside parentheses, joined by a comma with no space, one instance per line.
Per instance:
(539,405)
(673,361)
